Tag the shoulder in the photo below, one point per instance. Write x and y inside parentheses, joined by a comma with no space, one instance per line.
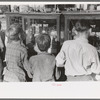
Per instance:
(91,47)
(52,56)
(71,44)
(68,41)
(33,58)
(49,56)
(22,48)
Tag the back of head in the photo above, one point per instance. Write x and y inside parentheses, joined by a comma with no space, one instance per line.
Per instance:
(43,42)
(82,25)
(14,31)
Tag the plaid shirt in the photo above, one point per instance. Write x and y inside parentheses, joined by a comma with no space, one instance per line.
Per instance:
(16,59)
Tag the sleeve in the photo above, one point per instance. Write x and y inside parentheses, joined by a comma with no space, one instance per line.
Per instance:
(95,63)
(31,65)
(61,57)
(26,63)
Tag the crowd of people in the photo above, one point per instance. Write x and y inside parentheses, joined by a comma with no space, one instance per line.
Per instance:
(28,58)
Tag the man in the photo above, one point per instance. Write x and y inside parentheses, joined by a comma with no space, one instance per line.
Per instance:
(79,58)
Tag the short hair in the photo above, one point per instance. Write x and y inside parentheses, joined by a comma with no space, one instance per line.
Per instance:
(14,31)
(43,42)
(82,25)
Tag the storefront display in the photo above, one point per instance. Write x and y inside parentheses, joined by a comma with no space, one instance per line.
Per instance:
(40,22)
(60,24)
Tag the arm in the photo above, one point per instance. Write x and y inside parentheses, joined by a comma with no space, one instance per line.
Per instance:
(61,57)
(60,60)
(95,63)
(57,73)
(95,66)
(26,64)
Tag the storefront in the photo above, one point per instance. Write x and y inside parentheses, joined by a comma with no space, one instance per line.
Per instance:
(94,19)
(56,23)
(40,22)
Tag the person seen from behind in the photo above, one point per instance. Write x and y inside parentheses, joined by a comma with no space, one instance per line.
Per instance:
(16,56)
(42,64)
(78,57)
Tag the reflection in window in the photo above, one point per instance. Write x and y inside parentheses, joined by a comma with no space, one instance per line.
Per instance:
(16,19)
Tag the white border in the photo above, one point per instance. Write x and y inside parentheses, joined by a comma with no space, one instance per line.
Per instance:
(51,89)
(20,3)
(83,90)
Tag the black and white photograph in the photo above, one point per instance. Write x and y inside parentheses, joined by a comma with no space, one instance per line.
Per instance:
(50,43)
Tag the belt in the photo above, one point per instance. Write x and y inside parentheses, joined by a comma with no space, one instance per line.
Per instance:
(79,78)
(78,75)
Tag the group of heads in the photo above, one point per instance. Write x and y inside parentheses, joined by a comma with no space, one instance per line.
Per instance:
(42,41)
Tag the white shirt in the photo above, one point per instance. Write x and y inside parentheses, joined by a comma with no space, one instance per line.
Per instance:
(78,57)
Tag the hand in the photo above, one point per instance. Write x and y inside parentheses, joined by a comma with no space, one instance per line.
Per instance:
(97,77)
(29,74)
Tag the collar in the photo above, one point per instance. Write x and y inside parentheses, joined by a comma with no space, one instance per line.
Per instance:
(45,53)
(82,39)
(16,42)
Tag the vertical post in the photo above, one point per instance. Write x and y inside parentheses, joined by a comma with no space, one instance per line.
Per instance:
(23,23)
(66,28)
(68,25)
(7,20)
(58,28)
(65,33)
(28,21)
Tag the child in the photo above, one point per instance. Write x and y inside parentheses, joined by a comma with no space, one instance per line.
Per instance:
(78,57)
(16,56)
(42,64)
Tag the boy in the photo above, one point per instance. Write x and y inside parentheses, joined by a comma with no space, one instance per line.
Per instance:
(16,56)
(79,58)
(43,63)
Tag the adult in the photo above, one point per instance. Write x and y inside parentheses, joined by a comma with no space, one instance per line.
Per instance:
(78,57)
